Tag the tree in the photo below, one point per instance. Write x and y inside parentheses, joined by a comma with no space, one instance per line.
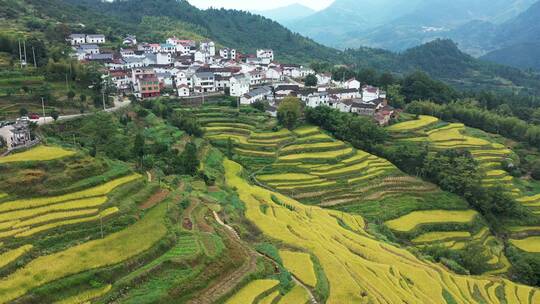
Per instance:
(70,95)
(82,98)
(230,148)
(23,112)
(535,170)
(259,105)
(289,111)
(310,81)
(138,146)
(187,162)
(55,115)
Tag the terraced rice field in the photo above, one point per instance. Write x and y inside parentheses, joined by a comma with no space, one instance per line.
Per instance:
(26,217)
(86,296)
(360,269)
(110,250)
(418,218)
(297,295)
(300,265)
(489,155)
(530,244)
(252,291)
(39,153)
(413,125)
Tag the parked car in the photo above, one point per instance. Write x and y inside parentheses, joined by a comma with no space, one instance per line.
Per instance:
(23,118)
(33,116)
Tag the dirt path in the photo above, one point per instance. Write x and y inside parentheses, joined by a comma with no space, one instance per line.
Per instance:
(149,176)
(153,200)
(224,285)
(235,234)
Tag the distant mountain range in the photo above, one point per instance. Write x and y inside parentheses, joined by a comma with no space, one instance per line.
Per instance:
(287,14)
(493,29)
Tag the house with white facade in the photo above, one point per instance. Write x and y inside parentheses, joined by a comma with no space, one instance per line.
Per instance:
(76,39)
(266,54)
(370,93)
(352,84)
(208,47)
(274,74)
(239,85)
(204,82)
(84,50)
(163,58)
(97,39)
(323,79)
(183,90)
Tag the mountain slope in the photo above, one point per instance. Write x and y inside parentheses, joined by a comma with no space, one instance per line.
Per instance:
(287,14)
(518,41)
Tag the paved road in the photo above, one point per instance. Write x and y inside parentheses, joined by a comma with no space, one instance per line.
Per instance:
(5,132)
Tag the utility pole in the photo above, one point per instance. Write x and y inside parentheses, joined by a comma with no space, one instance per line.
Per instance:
(34,55)
(67,83)
(24,45)
(103,97)
(20,54)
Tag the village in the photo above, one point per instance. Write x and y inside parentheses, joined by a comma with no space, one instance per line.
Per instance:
(198,70)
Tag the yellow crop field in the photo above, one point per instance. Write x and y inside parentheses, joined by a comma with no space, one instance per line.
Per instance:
(254,152)
(251,291)
(300,265)
(316,138)
(529,199)
(12,255)
(231,125)
(421,122)
(297,295)
(524,228)
(55,216)
(530,244)
(281,133)
(290,177)
(2,195)
(359,268)
(91,192)
(269,298)
(112,249)
(25,231)
(39,153)
(412,220)
(315,146)
(86,296)
(496,173)
(441,236)
(69,205)
(303,131)
(317,156)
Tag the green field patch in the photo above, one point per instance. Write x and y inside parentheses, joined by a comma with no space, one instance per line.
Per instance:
(306,131)
(230,125)
(221,130)
(417,218)
(439,236)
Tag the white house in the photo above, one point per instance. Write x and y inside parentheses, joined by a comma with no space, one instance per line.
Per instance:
(164,58)
(183,90)
(204,82)
(266,54)
(256,77)
(208,47)
(130,40)
(76,39)
(239,85)
(258,94)
(222,82)
(369,93)
(324,78)
(98,39)
(316,99)
(274,74)
(84,50)
(352,84)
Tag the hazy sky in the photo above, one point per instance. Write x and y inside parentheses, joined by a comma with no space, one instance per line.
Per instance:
(258,4)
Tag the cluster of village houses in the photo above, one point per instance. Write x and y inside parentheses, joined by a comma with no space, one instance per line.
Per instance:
(193,69)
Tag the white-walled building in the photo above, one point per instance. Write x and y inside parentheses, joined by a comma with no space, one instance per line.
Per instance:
(324,79)
(163,58)
(352,84)
(266,54)
(208,47)
(97,39)
(239,85)
(76,39)
(204,82)
(183,90)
